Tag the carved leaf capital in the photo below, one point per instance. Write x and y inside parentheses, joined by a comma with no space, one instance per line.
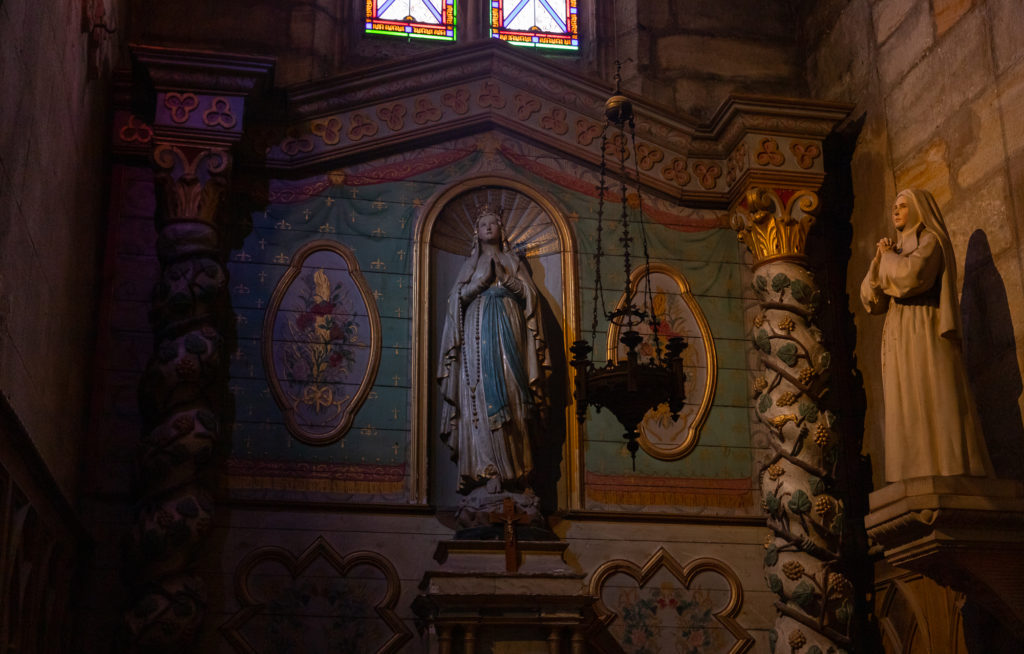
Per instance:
(774,223)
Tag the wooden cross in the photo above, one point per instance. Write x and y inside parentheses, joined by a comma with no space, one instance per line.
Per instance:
(510,518)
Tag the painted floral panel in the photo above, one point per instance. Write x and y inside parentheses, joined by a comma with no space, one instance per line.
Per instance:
(318,614)
(324,344)
(664,616)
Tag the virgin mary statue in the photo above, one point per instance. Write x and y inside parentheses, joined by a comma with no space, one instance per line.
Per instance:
(931,424)
(493,364)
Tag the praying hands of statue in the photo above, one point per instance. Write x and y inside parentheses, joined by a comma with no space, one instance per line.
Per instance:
(483,277)
(884,245)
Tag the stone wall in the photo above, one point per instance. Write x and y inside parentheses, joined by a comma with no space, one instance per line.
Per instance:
(938,87)
(684,54)
(693,54)
(51,194)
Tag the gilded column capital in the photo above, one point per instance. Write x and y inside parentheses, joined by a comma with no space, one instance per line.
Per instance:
(774,222)
(191,179)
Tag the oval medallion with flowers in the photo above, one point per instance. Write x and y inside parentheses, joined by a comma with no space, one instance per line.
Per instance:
(321,342)
(661,290)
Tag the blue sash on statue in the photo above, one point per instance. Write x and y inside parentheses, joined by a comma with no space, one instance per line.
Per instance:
(497,338)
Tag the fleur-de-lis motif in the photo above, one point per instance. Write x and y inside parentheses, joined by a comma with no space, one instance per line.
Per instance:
(526,106)
(135,131)
(554,120)
(490,96)
(393,116)
(219,114)
(586,132)
(675,171)
(328,130)
(361,126)
(769,153)
(426,111)
(181,105)
(457,100)
(707,174)
(805,153)
(648,156)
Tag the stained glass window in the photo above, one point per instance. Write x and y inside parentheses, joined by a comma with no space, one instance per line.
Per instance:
(536,23)
(423,19)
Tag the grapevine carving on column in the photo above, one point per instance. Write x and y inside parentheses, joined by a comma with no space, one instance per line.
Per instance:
(181,401)
(801,559)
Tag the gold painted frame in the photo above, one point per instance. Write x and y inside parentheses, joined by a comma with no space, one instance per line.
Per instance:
(685,574)
(296,566)
(693,433)
(423,381)
(294,268)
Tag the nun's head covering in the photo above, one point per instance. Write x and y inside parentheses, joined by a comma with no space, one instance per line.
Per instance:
(925,215)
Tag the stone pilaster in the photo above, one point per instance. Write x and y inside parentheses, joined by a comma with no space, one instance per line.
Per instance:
(200,99)
(805,514)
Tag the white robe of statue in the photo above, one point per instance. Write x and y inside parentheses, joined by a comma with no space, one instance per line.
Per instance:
(931,424)
(493,364)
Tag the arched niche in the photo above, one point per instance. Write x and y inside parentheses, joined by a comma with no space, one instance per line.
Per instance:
(442,239)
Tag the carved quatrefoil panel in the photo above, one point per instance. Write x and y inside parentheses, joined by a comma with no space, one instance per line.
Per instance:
(663,606)
(319,601)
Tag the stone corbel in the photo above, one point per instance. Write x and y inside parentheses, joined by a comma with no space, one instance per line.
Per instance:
(200,102)
(964,532)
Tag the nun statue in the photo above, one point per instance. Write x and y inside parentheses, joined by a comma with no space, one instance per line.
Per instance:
(931,423)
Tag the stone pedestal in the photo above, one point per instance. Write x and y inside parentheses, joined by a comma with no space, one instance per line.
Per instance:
(965,532)
(473,604)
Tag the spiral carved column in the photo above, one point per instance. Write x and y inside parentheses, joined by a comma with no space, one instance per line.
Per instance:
(199,107)
(181,401)
(802,554)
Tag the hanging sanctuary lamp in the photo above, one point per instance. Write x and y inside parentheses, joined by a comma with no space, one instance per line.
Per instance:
(628,387)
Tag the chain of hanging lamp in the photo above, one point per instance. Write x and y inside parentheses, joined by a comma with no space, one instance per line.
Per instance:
(631,387)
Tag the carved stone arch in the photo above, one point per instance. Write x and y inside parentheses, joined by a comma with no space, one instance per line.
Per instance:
(423,371)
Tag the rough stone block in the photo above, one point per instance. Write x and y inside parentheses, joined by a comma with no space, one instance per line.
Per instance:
(659,93)
(1016,167)
(910,40)
(928,169)
(1007,32)
(977,141)
(1010,87)
(956,70)
(948,12)
(724,57)
(842,68)
(820,19)
(888,15)
(984,207)
(726,17)
(873,185)
(656,15)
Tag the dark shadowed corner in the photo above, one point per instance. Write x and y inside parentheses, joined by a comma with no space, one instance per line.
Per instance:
(990,354)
